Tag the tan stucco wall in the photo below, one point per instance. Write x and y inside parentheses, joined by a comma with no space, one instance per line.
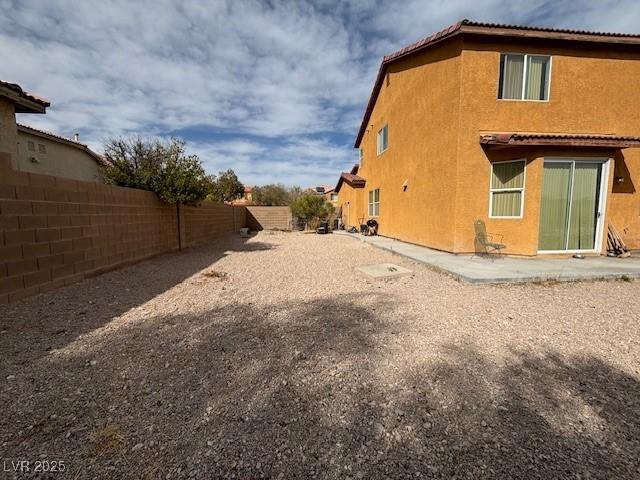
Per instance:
(353,205)
(590,91)
(419,102)
(8,131)
(439,102)
(60,160)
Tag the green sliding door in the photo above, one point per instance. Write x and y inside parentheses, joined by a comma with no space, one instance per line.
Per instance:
(569,206)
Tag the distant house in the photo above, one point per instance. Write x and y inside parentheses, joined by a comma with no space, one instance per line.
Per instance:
(532,133)
(36,151)
(50,154)
(327,191)
(246,199)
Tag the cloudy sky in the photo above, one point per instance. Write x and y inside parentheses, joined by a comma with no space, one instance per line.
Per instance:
(273,89)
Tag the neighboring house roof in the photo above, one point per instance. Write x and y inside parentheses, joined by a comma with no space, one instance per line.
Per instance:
(67,141)
(353,180)
(489,29)
(506,140)
(25,102)
(248,189)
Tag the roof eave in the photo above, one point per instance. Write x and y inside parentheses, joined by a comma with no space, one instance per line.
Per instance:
(22,102)
(465,27)
(492,143)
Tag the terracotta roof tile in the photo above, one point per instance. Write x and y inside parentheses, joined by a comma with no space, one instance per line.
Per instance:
(24,94)
(351,179)
(503,140)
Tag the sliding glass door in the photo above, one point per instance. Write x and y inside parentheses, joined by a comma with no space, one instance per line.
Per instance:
(570,205)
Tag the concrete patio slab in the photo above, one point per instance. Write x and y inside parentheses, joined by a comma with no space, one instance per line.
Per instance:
(384,271)
(480,269)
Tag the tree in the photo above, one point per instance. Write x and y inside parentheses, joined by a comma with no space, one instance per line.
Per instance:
(132,162)
(275,194)
(272,194)
(311,208)
(227,187)
(162,167)
(183,180)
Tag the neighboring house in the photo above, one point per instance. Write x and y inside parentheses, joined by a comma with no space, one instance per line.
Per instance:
(13,99)
(533,131)
(327,191)
(49,154)
(246,199)
(33,150)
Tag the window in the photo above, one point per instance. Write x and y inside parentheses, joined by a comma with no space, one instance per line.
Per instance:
(42,148)
(374,202)
(383,139)
(360,156)
(31,146)
(334,197)
(524,77)
(507,189)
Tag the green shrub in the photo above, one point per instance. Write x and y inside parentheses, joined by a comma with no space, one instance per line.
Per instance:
(311,208)
(161,167)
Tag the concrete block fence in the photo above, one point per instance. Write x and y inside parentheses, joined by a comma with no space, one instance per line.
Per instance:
(56,231)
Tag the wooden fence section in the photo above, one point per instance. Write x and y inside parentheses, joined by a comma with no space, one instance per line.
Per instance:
(269,218)
(55,231)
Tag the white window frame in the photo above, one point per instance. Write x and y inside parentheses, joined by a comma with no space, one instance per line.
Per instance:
(521,190)
(380,150)
(373,204)
(524,77)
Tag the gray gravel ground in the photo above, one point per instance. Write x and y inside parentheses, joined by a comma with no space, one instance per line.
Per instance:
(272,358)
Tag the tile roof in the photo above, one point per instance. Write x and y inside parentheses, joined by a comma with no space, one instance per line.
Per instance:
(67,141)
(504,140)
(42,102)
(500,30)
(351,179)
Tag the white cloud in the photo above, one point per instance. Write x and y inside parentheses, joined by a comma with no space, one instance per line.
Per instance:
(279,74)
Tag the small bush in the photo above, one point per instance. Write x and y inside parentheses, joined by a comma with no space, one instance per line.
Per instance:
(311,208)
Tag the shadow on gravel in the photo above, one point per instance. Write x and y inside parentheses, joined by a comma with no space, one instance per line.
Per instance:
(93,303)
(320,389)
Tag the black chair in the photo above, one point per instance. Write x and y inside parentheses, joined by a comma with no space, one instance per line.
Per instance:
(487,243)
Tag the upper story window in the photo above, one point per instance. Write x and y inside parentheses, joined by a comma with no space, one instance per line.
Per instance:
(360,156)
(524,77)
(42,148)
(383,139)
(31,146)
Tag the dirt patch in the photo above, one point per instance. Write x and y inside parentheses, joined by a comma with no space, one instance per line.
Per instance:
(295,366)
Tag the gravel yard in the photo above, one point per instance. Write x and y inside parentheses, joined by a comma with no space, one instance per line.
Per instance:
(272,358)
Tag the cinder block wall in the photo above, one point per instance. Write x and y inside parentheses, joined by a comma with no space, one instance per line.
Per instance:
(269,218)
(55,231)
(208,221)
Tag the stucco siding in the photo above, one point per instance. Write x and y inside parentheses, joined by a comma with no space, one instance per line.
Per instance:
(60,160)
(8,131)
(419,102)
(590,92)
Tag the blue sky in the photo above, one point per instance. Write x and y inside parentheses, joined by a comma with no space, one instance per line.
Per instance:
(273,89)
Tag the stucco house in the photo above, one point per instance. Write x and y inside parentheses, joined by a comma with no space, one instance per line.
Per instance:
(36,151)
(51,154)
(533,131)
